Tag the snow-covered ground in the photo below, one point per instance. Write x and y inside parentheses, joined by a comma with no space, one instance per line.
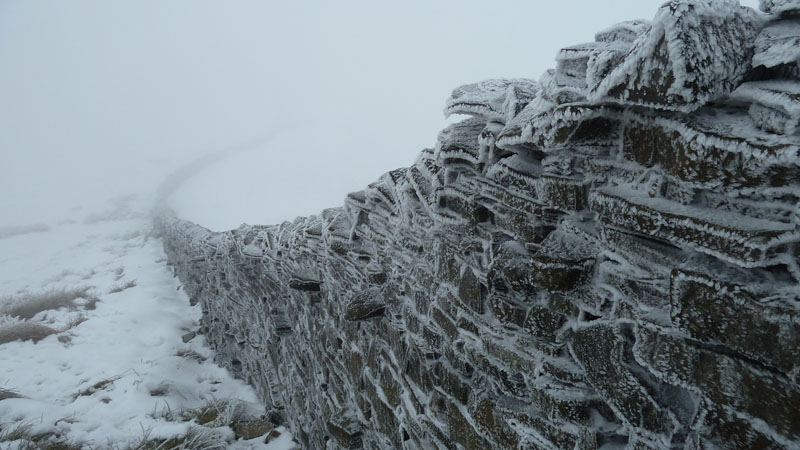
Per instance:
(116,372)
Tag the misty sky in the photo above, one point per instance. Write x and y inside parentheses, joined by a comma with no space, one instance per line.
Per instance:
(105,98)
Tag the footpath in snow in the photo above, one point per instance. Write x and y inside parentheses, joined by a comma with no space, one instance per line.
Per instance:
(97,347)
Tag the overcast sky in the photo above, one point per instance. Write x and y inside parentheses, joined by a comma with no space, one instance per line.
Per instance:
(103,98)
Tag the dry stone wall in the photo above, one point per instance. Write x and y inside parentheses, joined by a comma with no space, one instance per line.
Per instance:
(604,258)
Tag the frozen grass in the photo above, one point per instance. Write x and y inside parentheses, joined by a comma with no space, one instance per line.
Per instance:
(214,413)
(206,424)
(25,331)
(27,306)
(191,354)
(206,430)
(22,438)
(99,386)
(8,393)
(123,287)
(196,438)
(14,432)
(32,331)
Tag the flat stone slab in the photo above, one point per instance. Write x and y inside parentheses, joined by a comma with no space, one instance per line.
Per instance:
(744,241)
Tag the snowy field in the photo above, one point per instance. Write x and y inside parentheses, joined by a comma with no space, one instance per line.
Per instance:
(104,363)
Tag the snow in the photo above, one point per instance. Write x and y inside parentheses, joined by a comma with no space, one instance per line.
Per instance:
(92,384)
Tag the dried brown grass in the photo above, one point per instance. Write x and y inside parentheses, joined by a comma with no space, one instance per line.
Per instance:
(122,287)
(27,306)
(25,331)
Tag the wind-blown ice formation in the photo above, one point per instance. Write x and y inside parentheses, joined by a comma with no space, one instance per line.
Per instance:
(605,258)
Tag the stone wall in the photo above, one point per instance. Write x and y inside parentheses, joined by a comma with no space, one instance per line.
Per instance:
(605,258)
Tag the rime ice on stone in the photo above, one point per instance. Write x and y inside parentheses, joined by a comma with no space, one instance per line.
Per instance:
(492,99)
(607,258)
(694,52)
(627,31)
(775,105)
(778,43)
(610,48)
(557,88)
(779,6)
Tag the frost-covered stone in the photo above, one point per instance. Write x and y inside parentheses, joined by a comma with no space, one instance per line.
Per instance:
(775,104)
(492,99)
(778,43)
(599,350)
(368,305)
(695,51)
(742,240)
(570,125)
(716,149)
(627,31)
(719,426)
(765,328)
(779,6)
(724,380)
(558,89)
(554,273)
(610,48)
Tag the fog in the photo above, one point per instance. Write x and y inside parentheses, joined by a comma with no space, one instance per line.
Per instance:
(307,100)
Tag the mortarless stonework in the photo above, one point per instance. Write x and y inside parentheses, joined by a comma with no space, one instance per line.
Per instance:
(606,258)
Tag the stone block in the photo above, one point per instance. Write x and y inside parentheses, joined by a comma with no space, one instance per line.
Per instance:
(346,430)
(779,6)
(724,380)
(712,151)
(745,241)
(598,349)
(766,330)
(694,52)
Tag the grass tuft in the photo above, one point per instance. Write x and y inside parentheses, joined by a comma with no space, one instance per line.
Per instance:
(122,287)
(24,439)
(25,331)
(32,331)
(5,394)
(99,386)
(191,354)
(203,423)
(27,306)
(215,413)
(196,438)
(14,433)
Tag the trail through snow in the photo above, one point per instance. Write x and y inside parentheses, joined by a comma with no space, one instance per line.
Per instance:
(112,378)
